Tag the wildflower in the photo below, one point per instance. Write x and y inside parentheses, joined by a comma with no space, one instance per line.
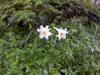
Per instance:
(44,32)
(61,33)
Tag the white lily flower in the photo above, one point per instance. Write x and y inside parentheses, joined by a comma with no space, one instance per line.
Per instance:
(44,32)
(62,33)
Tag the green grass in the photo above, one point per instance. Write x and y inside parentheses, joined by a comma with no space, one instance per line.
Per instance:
(22,52)
(78,54)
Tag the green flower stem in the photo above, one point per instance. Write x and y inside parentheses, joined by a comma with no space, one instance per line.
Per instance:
(55,42)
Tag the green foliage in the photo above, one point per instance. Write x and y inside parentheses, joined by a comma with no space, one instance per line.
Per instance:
(23,53)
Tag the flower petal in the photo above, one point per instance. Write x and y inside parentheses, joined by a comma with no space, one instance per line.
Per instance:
(38,30)
(46,37)
(41,36)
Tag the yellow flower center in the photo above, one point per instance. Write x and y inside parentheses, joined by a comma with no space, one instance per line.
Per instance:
(61,34)
(45,33)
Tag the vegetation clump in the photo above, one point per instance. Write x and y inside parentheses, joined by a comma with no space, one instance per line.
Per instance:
(26,49)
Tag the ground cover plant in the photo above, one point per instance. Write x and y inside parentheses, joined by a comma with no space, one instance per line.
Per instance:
(25,49)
